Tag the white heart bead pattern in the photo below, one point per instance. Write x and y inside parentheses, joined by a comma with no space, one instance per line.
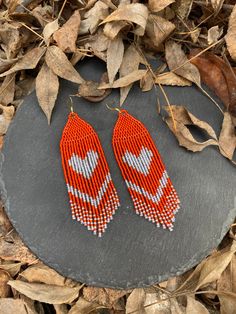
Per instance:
(84,166)
(142,162)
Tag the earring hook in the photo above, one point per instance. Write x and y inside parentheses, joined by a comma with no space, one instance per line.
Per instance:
(113,108)
(70,104)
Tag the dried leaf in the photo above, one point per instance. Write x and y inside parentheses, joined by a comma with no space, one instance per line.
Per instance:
(60,308)
(195,307)
(230,37)
(135,301)
(147,82)
(84,307)
(5,118)
(28,61)
(178,63)
(219,76)
(157,30)
(103,296)
(7,90)
(227,139)
(209,270)
(11,267)
(227,282)
(61,66)
(93,17)
(111,30)
(43,274)
(136,13)
(157,6)
(130,63)
(217,5)
(183,7)
(10,306)
(67,35)
(49,30)
(183,118)
(125,80)
(4,288)
(89,90)
(6,64)
(14,249)
(171,79)
(51,294)
(115,54)
(47,86)
(214,33)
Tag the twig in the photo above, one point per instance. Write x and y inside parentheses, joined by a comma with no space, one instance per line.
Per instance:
(224,6)
(26,26)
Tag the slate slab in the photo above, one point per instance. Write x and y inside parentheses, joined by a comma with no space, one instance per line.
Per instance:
(132,252)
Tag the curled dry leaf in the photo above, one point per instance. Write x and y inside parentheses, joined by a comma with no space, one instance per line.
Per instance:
(10,306)
(130,63)
(51,294)
(112,29)
(172,79)
(179,64)
(218,75)
(47,86)
(157,6)
(230,37)
(157,30)
(28,61)
(84,307)
(135,301)
(7,90)
(125,80)
(195,307)
(11,267)
(93,17)
(5,290)
(89,90)
(115,54)
(67,35)
(43,274)
(182,118)
(135,12)
(49,30)
(209,270)
(227,139)
(61,66)
(5,117)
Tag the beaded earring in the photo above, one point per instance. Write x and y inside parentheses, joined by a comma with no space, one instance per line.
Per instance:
(93,197)
(146,178)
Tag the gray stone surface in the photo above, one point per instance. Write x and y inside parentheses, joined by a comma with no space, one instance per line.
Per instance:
(132,252)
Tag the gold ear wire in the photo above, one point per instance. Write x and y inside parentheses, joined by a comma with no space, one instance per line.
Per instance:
(70,104)
(113,108)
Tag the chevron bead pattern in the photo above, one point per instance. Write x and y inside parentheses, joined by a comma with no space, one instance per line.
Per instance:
(149,185)
(93,197)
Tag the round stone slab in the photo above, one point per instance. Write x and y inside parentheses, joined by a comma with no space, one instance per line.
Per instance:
(133,252)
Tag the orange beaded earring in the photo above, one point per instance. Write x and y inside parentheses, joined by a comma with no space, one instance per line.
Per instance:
(149,185)
(93,197)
